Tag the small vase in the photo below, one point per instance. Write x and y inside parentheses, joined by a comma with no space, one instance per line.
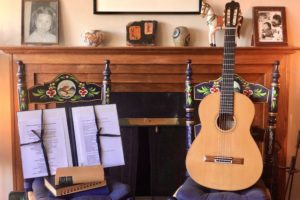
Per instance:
(181,36)
(93,38)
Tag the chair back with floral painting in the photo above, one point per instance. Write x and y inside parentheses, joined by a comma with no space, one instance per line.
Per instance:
(64,90)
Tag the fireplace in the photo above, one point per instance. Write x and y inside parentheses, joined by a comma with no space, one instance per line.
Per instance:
(153,133)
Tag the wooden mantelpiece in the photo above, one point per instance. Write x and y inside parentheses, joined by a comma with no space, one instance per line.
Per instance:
(152,69)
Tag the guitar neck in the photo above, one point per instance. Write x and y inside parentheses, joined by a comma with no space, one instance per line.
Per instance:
(227,85)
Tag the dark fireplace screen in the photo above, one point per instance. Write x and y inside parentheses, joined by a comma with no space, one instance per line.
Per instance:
(154,155)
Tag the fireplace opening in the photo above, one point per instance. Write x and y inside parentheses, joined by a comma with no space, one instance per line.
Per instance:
(154,151)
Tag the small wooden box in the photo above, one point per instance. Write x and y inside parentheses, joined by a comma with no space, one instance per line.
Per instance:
(141,33)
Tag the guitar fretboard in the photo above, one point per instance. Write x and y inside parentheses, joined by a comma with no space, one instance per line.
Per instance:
(227,89)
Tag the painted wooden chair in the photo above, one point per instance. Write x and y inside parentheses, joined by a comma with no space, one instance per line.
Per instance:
(50,94)
(264,136)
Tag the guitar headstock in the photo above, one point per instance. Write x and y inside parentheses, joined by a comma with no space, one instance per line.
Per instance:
(232,14)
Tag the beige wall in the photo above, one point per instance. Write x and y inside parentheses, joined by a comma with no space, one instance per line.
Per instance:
(5,130)
(77,16)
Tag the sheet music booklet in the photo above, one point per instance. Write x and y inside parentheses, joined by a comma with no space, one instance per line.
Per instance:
(69,141)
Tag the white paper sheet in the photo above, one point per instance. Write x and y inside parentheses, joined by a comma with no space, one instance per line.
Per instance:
(85,134)
(112,149)
(56,140)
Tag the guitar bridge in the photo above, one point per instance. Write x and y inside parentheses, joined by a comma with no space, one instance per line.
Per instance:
(224,159)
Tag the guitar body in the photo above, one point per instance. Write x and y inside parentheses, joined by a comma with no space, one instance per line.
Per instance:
(225,159)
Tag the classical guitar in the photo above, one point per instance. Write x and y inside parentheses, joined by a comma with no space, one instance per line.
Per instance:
(224,155)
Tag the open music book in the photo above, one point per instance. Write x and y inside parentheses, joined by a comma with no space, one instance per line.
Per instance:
(69,138)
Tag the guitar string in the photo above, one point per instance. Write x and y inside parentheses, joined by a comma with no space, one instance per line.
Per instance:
(232,83)
(231,47)
(226,83)
(229,85)
(224,95)
(227,92)
(227,96)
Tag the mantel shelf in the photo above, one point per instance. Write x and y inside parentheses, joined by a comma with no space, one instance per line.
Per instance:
(141,50)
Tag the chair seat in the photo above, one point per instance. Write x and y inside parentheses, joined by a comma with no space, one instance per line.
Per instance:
(118,191)
(190,190)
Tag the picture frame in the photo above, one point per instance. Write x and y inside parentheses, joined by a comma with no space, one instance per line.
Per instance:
(147,7)
(40,22)
(270,26)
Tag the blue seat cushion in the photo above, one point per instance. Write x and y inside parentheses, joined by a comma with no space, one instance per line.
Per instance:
(190,190)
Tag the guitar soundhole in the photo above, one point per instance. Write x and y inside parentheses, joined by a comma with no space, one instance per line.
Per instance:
(225,122)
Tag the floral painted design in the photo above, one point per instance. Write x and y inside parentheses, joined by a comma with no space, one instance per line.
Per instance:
(83,92)
(255,92)
(81,85)
(188,92)
(274,99)
(204,90)
(214,89)
(107,95)
(258,93)
(247,91)
(51,92)
(62,89)
(22,100)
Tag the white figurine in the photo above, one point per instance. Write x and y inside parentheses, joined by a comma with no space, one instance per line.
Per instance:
(216,22)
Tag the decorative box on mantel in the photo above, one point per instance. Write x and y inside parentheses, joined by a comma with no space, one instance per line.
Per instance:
(154,70)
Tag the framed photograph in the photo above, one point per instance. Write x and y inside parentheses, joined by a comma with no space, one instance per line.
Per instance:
(269,26)
(147,7)
(40,22)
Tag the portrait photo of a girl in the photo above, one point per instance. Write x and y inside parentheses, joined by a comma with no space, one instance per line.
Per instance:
(40,22)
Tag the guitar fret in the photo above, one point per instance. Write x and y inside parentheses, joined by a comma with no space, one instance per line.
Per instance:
(227,99)
(227,111)
(227,107)
(228,104)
